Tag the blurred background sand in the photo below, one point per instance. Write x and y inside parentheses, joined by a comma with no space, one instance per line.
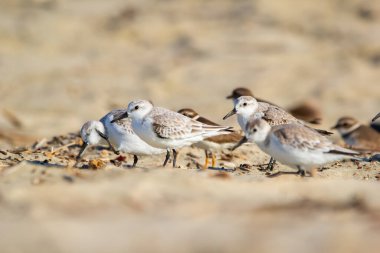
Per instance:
(63,62)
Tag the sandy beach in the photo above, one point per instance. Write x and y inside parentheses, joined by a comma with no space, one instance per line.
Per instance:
(65,62)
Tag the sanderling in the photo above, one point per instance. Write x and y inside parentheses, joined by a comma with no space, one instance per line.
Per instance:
(212,144)
(295,145)
(358,136)
(166,129)
(247,107)
(306,111)
(92,133)
(118,134)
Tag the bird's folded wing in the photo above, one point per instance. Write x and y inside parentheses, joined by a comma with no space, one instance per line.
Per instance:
(274,115)
(172,125)
(301,138)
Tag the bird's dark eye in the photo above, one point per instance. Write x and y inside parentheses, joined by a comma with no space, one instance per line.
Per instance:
(254,130)
(345,124)
(244,104)
(136,107)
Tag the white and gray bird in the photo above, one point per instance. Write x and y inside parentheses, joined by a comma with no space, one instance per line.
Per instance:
(308,111)
(295,145)
(119,135)
(166,129)
(247,108)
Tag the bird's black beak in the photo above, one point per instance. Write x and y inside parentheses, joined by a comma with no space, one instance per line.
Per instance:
(334,127)
(230,96)
(82,149)
(120,117)
(376,117)
(230,114)
(241,142)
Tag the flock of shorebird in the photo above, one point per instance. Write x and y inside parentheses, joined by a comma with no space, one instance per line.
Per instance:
(143,129)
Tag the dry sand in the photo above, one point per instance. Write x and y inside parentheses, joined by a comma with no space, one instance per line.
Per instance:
(65,62)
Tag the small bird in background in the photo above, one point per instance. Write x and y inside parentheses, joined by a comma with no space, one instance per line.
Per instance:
(166,129)
(307,111)
(375,124)
(295,145)
(212,144)
(118,134)
(358,136)
(241,91)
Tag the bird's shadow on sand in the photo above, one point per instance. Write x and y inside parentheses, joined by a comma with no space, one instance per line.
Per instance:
(46,164)
(221,169)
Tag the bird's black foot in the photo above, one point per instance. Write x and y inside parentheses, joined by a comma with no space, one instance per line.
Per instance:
(269,166)
(175,154)
(166,158)
(302,173)
(135,160)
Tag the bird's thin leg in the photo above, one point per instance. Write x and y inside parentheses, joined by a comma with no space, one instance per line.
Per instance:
(300,171)
(213,160)
(109,143)
(205,166)
(117,152)
(166,158)
(135,160)
(82,149)
(271,164)
(175,154)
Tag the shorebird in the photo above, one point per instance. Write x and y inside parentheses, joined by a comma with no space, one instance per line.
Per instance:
(306,111)
(358,136)
(295,145)
(166,129)
(247,107)
(118,134)
(93,133)
(212,144)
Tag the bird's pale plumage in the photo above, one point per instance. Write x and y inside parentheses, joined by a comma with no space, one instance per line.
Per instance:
(295,145)
(118,134)
(166,129)
(295,136)
(248,108)
(274,115)
(172,125)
